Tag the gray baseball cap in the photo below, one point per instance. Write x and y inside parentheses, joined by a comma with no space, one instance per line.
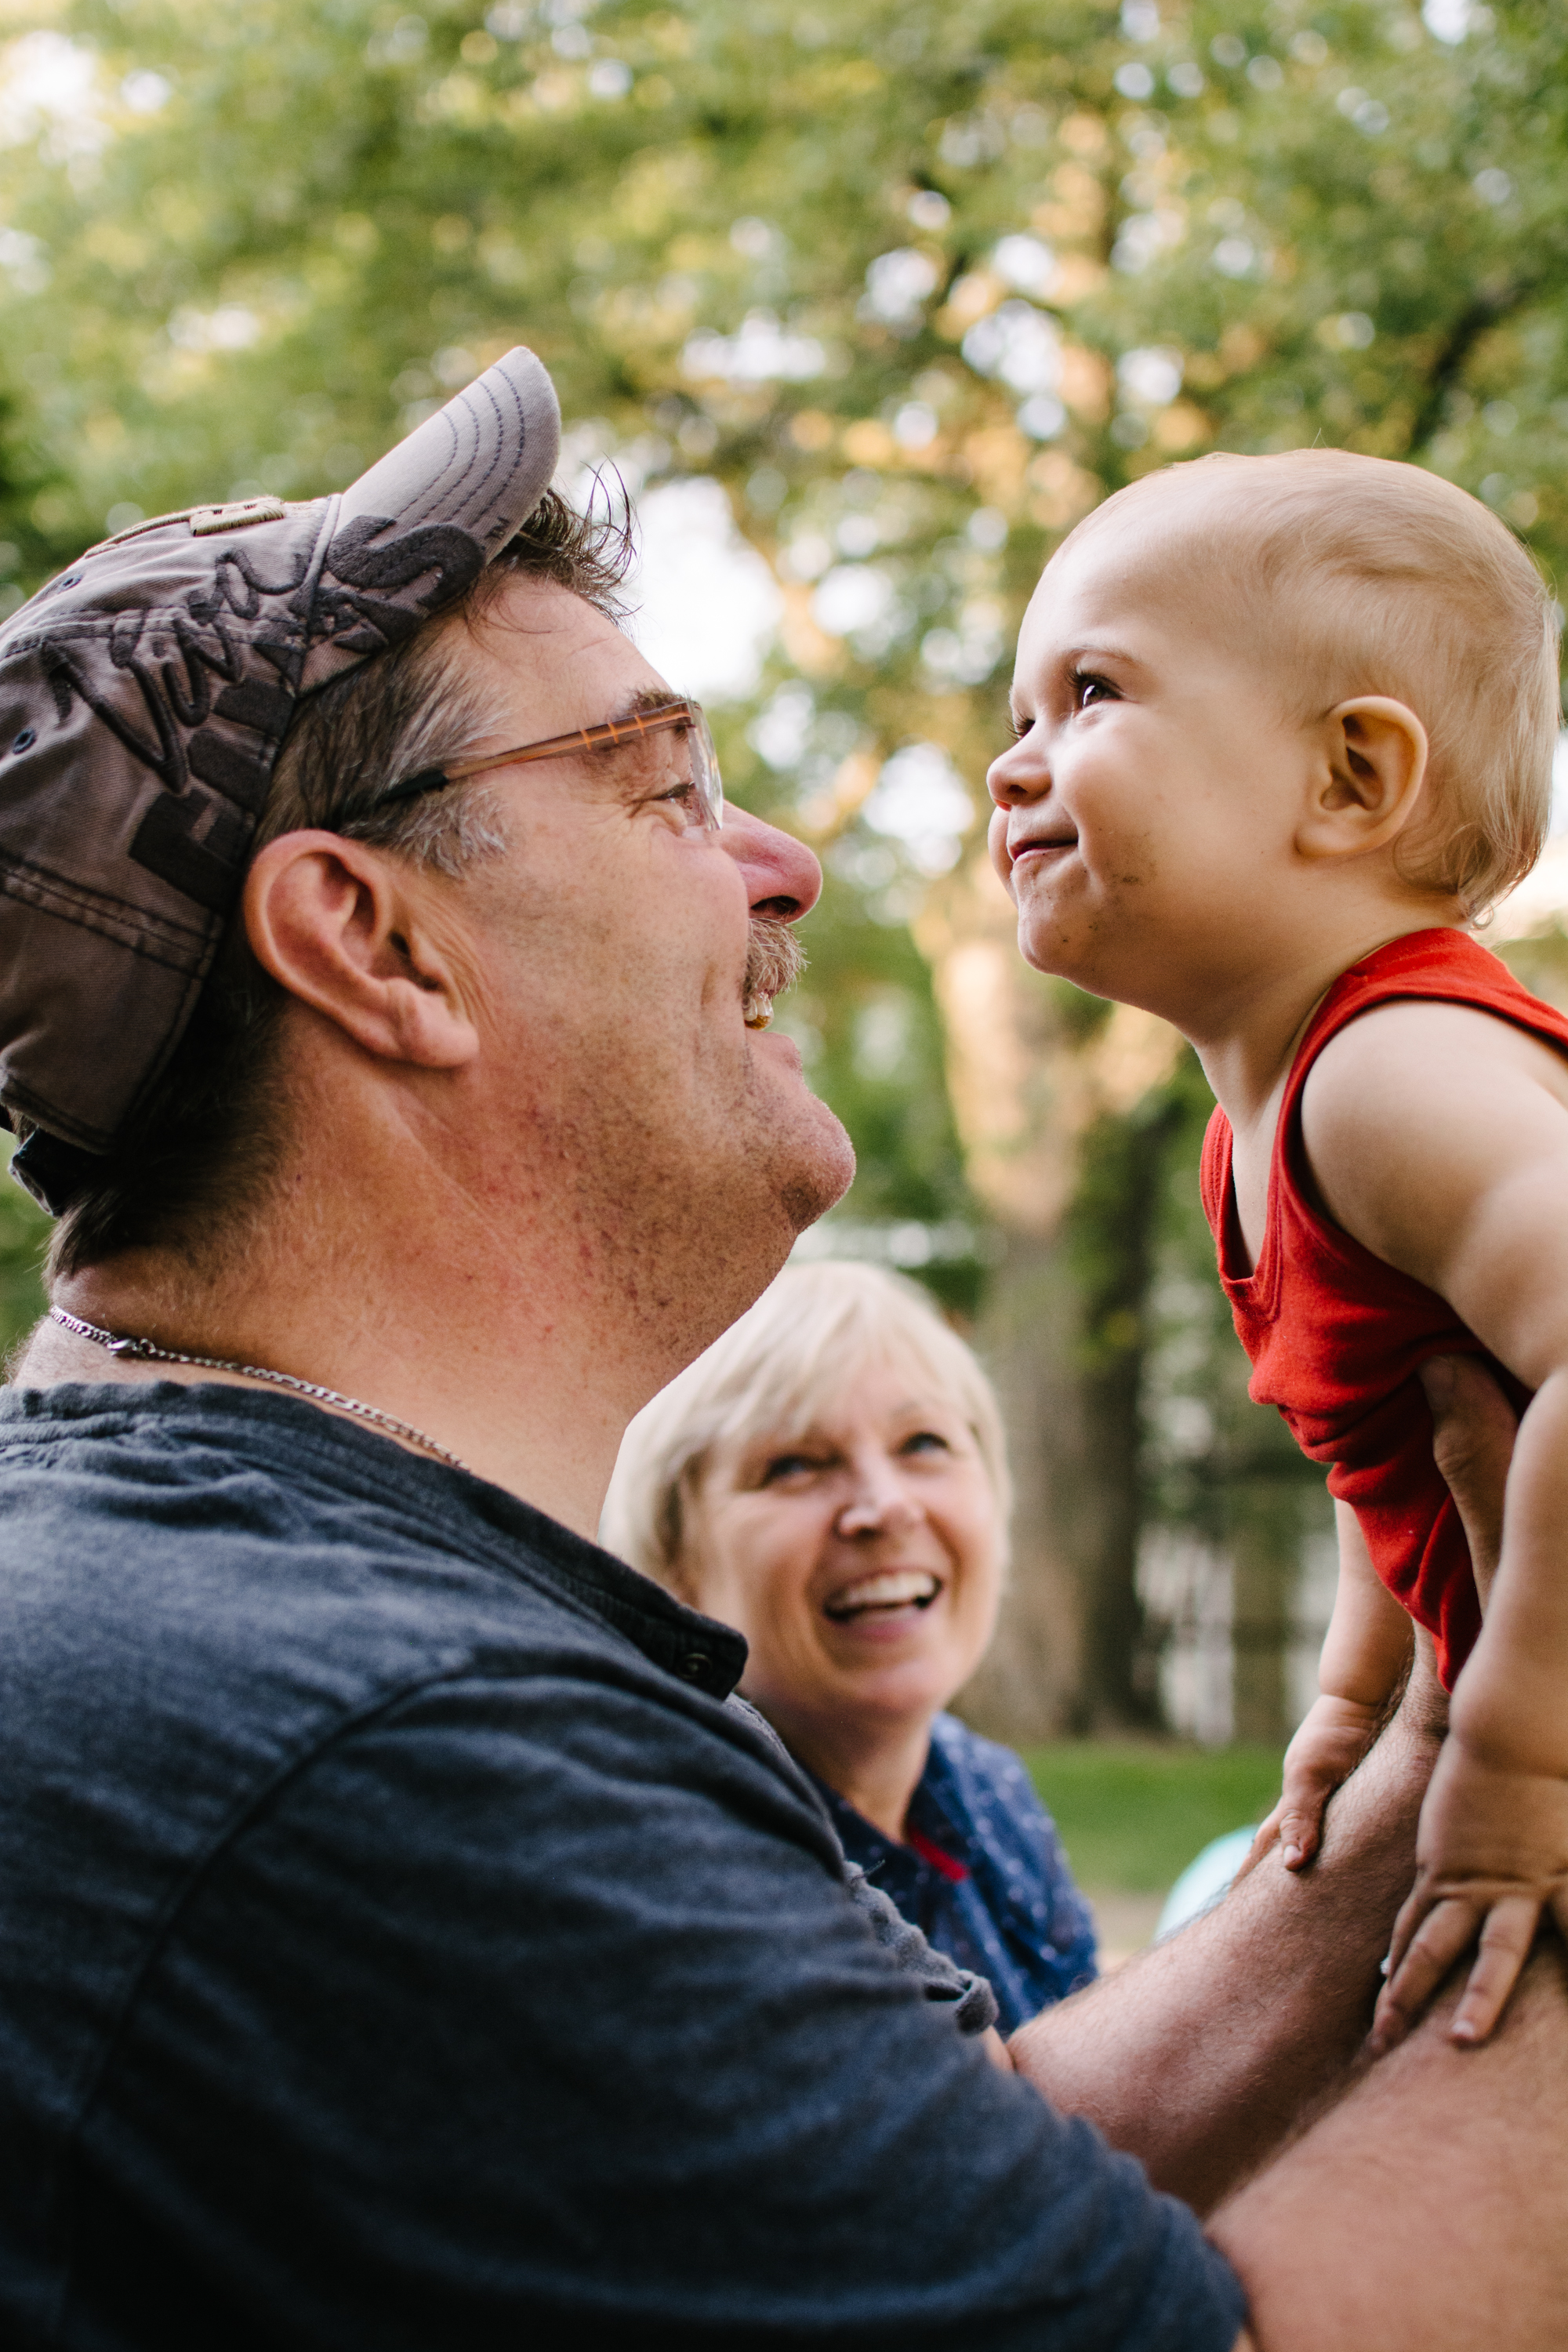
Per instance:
(145,696)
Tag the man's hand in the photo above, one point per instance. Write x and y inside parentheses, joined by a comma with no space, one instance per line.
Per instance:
(1438,1139)
(1473,1430)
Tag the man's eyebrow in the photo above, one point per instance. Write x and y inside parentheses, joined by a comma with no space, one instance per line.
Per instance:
(640,698)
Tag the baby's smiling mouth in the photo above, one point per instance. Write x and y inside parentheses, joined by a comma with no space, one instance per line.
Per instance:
(886,1590)
(1040,845)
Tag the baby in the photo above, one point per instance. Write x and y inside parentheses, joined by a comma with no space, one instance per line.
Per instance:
(1285,729)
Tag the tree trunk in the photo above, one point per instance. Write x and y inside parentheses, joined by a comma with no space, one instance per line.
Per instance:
(1043,1080)
(1027,1688)
(1111,1233)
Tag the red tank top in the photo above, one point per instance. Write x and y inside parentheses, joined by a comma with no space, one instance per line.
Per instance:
(1337,1337)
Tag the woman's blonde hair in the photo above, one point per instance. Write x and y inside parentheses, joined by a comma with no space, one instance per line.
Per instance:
(1363,575)
(791,1357)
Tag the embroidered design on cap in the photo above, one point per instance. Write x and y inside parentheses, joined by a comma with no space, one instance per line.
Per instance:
(236,516)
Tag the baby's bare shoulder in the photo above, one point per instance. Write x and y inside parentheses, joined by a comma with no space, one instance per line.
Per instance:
(1419,1048)
(1418,1111)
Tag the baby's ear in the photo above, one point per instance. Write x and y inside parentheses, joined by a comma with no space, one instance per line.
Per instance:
(1367,782)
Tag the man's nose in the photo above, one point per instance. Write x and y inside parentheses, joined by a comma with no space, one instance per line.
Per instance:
(782,876)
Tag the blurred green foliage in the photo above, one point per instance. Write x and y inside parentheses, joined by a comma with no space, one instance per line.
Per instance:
(24,1232)
(268,237)
(1132,1815)
(869,1034)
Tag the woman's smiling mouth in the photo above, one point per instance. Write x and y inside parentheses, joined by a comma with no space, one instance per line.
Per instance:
(887,1589)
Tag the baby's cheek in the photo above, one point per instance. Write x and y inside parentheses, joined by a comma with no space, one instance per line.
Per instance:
(996,840)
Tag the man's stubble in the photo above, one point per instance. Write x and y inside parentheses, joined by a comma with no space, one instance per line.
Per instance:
(690,1177)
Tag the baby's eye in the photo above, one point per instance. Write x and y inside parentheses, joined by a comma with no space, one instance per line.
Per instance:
(1088,688)
(1019,725)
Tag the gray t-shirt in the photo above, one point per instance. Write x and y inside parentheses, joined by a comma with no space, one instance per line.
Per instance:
(408,1946)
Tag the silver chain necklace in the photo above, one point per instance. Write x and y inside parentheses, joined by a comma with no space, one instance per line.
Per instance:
(144,1350)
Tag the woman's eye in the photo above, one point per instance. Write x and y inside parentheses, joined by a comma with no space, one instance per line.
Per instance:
(788,1466)
(925,1441)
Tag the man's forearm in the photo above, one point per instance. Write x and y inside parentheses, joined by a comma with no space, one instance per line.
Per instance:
(1423,2212)
(1201,2057)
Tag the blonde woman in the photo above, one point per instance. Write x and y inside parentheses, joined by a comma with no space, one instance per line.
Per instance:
(830,1479)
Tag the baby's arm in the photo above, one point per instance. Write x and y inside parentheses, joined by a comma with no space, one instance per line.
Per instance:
(1438,1137)
(1365,1652)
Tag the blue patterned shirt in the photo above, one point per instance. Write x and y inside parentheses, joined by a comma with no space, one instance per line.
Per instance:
(984,1875)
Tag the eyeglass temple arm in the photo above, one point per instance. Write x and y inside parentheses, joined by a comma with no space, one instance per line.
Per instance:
(612,731)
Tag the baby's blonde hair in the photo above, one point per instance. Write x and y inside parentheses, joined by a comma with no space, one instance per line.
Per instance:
(1365,576)
(810,1335)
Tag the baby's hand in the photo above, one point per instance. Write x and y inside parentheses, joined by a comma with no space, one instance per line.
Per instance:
(1492,1855)
(1335,1734)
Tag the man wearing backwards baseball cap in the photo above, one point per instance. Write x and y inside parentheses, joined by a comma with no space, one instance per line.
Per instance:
(410,1941)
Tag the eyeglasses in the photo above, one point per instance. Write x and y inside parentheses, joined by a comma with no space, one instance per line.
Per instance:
(708,807)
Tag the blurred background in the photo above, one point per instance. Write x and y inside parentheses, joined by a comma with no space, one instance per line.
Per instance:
(867,303)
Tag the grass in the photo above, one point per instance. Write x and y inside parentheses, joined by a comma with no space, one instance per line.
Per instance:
(1133,1814)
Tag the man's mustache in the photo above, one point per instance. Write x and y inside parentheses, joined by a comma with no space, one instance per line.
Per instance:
(774,962)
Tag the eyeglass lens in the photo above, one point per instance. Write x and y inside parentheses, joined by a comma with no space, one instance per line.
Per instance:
(705,768)
(691,752)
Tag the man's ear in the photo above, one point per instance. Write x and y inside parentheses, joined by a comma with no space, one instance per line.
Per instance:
(349,930)
(1367,781)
